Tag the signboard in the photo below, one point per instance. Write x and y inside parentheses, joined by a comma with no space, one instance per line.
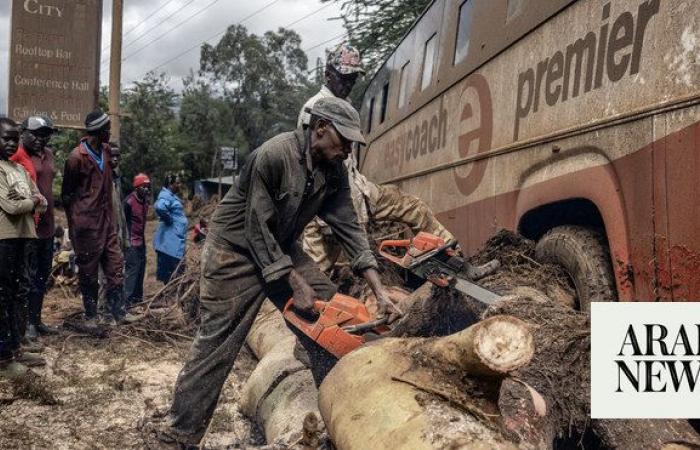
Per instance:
(229,158)
(55,59)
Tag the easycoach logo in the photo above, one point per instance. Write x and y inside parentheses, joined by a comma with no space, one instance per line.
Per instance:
(645,360)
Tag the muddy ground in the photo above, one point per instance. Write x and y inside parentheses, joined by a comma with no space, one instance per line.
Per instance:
(93,392)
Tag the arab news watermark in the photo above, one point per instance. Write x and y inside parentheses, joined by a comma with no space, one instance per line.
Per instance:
(645,360)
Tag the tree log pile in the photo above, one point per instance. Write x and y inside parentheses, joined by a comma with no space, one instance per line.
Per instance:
(518,375)
(451,374)
(280,394)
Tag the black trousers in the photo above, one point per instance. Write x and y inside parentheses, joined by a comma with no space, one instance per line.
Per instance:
(231,293)
(135,272)
(14,290)
(166,266)
(38,260)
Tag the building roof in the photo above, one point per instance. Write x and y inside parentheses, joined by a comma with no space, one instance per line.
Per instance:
(228,180)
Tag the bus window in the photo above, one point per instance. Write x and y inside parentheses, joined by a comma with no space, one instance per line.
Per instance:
(463,29)
(515,7)
(385,100)
(403,84)
(428,62)
(370,115)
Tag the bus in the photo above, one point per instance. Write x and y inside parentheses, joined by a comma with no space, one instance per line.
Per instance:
(575,123)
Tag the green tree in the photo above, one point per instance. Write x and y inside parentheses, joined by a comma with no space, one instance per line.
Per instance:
(150,129)
(375,27)
(263,79)
(206,123)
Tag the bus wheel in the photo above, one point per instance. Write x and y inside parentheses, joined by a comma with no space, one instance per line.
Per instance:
(585,257)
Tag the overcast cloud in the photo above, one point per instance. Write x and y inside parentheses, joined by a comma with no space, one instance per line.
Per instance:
(139,58)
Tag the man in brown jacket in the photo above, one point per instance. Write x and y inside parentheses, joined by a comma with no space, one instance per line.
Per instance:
(87,197)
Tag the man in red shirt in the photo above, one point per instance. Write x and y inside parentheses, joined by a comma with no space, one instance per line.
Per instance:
(136,212)
(37,158)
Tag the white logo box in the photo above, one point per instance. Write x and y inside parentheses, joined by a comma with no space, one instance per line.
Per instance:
(610,324)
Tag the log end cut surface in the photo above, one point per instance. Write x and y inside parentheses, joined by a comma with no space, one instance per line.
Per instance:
(504,343)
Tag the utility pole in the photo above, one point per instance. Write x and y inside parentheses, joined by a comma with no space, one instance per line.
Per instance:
(115,69)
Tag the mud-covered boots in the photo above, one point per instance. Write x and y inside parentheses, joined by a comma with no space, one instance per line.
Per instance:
(90,301)
(11,369)
(29,359)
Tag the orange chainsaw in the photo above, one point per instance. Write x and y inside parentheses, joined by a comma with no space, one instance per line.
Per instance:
(431,258)
(342,325)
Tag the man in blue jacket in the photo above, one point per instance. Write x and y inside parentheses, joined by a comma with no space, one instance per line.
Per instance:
(169,240)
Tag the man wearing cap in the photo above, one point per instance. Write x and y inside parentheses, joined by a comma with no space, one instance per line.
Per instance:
(371,201)
(251,252)
(136,213)
(37,158)
(87,197)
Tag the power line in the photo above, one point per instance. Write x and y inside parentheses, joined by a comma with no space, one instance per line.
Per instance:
(155,11)
(171,30)
(312,13)
(306,50)
(179,55)
(158,24)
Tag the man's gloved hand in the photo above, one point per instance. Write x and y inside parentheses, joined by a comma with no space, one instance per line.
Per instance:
(304,294)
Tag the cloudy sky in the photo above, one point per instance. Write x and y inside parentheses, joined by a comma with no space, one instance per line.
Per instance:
(156,31)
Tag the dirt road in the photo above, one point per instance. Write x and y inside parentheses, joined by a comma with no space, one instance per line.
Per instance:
(93,392)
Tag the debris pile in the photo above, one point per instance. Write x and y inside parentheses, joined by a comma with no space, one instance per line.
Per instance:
(447,392)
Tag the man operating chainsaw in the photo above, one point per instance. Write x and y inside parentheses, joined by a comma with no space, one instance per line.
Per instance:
(372,202)
(251,252)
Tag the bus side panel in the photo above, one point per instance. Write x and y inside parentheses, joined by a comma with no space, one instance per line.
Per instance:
(679,245)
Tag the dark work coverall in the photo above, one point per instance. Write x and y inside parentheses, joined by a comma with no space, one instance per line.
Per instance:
(249,251)
(87,197)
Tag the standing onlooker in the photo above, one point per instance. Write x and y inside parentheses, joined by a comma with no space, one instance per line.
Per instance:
(169,240)
(119,220)
(87,197)
(136,212)
(118,197)
(19,200)
(36,157)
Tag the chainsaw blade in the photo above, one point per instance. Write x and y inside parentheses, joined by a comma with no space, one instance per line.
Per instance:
(475,291)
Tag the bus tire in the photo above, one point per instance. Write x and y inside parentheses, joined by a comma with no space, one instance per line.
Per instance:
(585,257)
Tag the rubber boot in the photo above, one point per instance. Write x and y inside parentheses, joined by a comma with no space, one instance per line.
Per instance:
(29,359)
(477,272)
(90,302)
(44,329)
(117,305)
(31,345)
(11,369)
(31,334)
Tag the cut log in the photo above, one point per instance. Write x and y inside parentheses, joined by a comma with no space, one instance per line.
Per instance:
(493,347)
(280,394)
(268,330)
(408,393)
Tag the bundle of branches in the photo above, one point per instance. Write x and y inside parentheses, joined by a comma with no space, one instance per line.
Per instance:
(173,311)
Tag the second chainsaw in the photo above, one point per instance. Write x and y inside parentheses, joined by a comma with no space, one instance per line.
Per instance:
(433,259)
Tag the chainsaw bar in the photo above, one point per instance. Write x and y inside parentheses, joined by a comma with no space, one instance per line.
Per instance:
(475,291)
